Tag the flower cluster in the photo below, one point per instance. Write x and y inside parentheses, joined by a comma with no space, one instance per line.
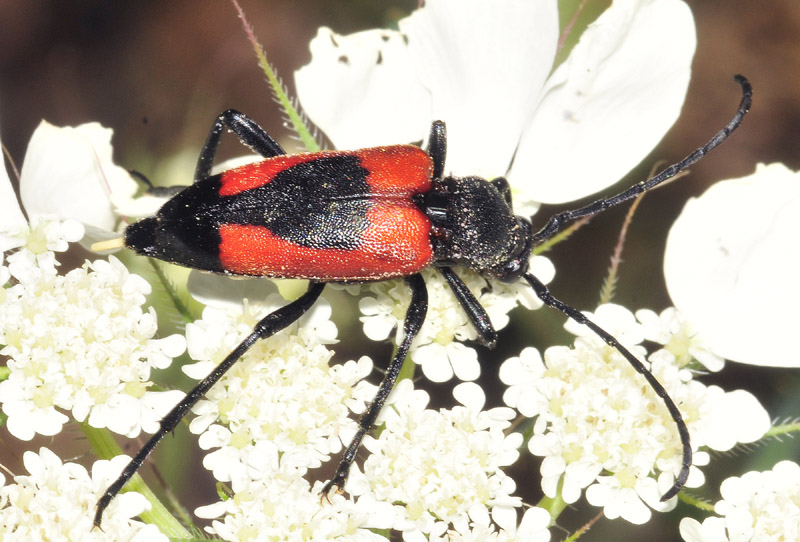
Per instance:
(600,428)
(81,342)
(756,506)
(442,469)
(284,390)
(435,349)
(281,505)
(56,501)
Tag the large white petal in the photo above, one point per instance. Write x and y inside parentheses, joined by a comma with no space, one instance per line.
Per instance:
(731,266)
(610,103)
(484,63)
(225,292)
(69,172)
(361,89)
(478,65)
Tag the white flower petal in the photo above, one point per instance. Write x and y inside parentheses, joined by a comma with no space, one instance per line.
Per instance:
(224,292)
(377,90)
(711,530)
(69,172)
(610,103)
(459,45)
(432,358)
(534,524)
(735,417)
(464,360)
(362,73)
(735,279)
(470,395)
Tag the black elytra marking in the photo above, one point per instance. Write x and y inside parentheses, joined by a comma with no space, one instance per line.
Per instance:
(321,203)
(184,231)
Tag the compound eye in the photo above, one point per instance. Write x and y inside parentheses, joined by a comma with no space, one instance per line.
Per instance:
(517,263)
(514,268)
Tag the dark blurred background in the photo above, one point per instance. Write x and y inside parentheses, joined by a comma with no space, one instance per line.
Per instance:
(158,73)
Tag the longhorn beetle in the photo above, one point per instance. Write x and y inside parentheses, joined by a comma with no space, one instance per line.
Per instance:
(358,216)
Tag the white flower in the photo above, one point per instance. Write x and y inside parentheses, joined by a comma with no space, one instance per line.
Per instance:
(532,528)
(282,506)
(56,501)
(679,338)
(15,231)
(32,244)
(734,278)
(35,244)
(725,419)
(486,69)
(757,506)
(600,427)
(622,495)
(441,468)
(284,390)
(82,343)
(69,173)
(435,349)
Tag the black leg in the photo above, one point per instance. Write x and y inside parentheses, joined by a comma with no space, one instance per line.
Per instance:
(437,148)
(268,326)
(249,133)
(158,191)
(415,316)
(487,336)
(548,299)
(559,220)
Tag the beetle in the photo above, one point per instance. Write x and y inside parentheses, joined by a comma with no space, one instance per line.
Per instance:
(358,216)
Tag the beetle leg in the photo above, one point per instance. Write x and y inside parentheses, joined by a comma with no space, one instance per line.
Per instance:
(157,191)
(437,148)
(415,316)
(250,134)
(268,326)
(487,335)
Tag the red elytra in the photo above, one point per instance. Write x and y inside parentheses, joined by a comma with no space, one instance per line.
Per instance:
(396,241)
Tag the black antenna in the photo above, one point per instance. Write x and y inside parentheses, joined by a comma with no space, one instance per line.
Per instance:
(558,221)
(573,313)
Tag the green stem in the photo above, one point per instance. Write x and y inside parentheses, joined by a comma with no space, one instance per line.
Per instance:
(561,236)
(782,429)
(690,499)
(585,529)
(554,505)
(179,305)
(278,90)
(106,447)
(407,371)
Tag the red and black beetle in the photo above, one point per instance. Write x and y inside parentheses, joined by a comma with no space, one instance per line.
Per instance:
(358,216)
